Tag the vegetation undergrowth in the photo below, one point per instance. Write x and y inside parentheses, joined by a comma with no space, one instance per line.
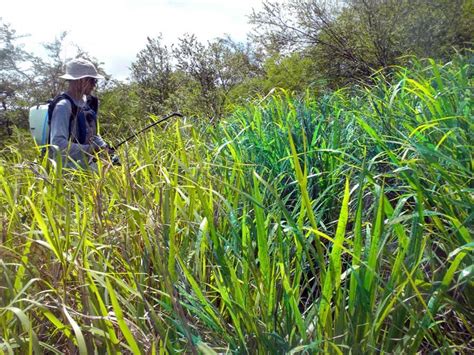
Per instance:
(339,223)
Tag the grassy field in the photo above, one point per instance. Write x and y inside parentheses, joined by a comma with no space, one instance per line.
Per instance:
(338,223)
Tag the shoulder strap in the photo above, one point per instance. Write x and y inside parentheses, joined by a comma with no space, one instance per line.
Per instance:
(52,104)
(93,103)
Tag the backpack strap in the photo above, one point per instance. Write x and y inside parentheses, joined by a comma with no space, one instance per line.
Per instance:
(93,103)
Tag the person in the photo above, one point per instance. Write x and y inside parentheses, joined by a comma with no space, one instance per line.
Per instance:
(73,126)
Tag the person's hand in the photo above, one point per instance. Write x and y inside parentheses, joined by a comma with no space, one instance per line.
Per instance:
(110,150)
(112,156)
(94,148)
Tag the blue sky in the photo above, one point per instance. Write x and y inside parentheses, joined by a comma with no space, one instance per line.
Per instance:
(114,31)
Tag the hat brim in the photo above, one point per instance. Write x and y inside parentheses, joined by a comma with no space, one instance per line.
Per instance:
(70,77)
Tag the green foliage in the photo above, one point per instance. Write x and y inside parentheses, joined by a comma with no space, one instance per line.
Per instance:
(191,77)
(120,110)
(294,73)
(154,76)
(349,40)
(336,224)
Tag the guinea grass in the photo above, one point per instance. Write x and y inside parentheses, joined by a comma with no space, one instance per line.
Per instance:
(337,223)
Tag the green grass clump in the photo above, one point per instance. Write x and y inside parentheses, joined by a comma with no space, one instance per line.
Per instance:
(337,223)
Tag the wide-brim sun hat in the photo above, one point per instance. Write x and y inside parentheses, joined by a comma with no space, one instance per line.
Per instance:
(80,68)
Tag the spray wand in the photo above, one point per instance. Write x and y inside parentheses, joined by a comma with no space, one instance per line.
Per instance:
(115,159)
(147,128)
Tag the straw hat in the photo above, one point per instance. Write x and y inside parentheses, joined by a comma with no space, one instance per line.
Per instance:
(80,68)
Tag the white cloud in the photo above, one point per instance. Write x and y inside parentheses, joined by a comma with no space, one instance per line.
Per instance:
(114,31)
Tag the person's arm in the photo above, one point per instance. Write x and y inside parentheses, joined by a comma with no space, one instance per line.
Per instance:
(60,121)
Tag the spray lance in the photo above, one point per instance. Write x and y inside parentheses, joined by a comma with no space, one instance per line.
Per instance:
(115,159)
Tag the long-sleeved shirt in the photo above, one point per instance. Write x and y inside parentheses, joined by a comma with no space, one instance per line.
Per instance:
(65,137)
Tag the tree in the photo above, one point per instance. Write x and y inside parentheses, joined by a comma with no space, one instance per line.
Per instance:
(153,73)
(191,77)
(217,68)
(294,73)
(310,27)
(13,75)
(349,40)
(202,64)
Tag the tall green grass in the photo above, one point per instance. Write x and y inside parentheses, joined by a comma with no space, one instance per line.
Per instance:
(337,223)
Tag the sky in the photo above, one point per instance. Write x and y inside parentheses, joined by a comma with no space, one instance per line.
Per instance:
(114,31)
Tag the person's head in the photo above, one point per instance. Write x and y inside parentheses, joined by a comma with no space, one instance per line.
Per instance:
(81,75)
